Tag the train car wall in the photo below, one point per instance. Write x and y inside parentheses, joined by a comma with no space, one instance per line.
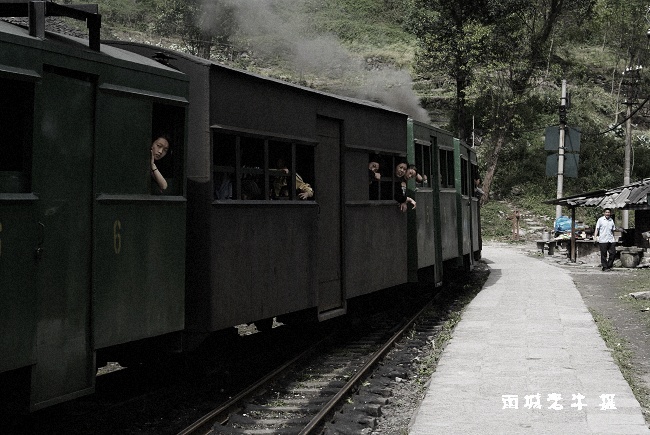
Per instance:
(64,288)
(426,266)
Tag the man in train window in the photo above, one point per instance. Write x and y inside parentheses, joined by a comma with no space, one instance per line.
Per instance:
(281,187)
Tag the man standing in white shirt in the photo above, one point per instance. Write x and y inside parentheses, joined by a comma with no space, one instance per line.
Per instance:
(604,233)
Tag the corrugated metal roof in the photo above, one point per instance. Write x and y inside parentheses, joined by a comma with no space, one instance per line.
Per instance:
(633,196)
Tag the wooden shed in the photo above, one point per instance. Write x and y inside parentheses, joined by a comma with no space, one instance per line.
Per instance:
(633,196)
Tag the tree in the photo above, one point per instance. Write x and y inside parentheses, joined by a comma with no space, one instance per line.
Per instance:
(621,25)
(199,24)
(453,40)
(498,53)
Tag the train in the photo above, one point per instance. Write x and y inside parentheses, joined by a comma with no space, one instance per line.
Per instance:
(96,261)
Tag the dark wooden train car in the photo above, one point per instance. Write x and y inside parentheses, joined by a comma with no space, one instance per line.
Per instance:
(89,257)
(254,253)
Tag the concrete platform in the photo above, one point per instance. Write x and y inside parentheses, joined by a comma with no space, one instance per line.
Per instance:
(526,358)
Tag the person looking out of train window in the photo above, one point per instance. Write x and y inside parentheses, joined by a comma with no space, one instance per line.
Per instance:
(412,172)
(281,188)
(374,177)
(159,149)
(400,187)
(478,191)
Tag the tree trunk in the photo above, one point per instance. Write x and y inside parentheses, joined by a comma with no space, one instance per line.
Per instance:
(493,160)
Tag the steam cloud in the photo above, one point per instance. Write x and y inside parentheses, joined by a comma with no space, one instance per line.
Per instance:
(261,24)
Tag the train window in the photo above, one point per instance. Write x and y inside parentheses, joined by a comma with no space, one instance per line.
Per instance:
(388,181)
(464,177)
(423,163)
(304,168)
(382,187)
(17,103)
(447,173)
(251,181)
(476,181)
(225,152)
(255,168)
(168,121)
(376,170)
(387,169)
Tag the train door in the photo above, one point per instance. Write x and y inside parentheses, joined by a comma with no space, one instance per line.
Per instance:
(476,210)
(18,229)
(328,195)
(465,211)
(63,162)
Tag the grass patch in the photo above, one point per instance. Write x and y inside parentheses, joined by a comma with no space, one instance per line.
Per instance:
(637,281)
(497,223)
(494,223)
(623,359)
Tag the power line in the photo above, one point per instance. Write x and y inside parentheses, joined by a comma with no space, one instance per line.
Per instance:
(624,120)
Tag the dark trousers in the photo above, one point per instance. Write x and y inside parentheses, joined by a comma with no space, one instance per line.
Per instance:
(607,248)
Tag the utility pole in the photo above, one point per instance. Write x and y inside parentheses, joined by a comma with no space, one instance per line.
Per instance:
(560,158)
(632,82)
(625,214)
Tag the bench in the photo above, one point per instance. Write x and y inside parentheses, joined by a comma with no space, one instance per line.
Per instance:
(549,245)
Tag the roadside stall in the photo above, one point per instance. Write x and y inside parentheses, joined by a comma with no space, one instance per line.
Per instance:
(632,242)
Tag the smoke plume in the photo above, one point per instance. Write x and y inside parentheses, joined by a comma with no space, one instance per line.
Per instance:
(264,29)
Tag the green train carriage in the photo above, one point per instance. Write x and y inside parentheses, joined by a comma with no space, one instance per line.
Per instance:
(90,258)
(444,229)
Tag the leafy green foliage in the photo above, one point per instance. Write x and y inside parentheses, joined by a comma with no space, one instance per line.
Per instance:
(128,14)
(494,222)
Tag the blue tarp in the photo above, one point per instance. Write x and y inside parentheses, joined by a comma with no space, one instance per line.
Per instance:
(563,224)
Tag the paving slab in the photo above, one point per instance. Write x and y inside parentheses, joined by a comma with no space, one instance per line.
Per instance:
(527,358)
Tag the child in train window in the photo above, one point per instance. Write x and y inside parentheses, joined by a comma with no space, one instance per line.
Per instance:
(159,149)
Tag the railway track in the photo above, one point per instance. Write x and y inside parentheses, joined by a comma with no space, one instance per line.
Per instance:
(351,381)
(306,395)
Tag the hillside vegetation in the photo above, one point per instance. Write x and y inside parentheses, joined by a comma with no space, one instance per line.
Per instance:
(382,50)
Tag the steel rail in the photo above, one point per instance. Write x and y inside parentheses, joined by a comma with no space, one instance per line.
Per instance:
(204,424)
(318,419)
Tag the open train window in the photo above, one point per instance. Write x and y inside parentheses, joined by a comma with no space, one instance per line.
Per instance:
(382,187)
(464,177)
(168,121)
(374,176)
(17,105)
(423,162)
(476,181)
(388,181)
(447,172)
(254,167)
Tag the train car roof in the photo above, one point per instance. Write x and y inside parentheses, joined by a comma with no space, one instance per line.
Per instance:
(55,40)
(211,64)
